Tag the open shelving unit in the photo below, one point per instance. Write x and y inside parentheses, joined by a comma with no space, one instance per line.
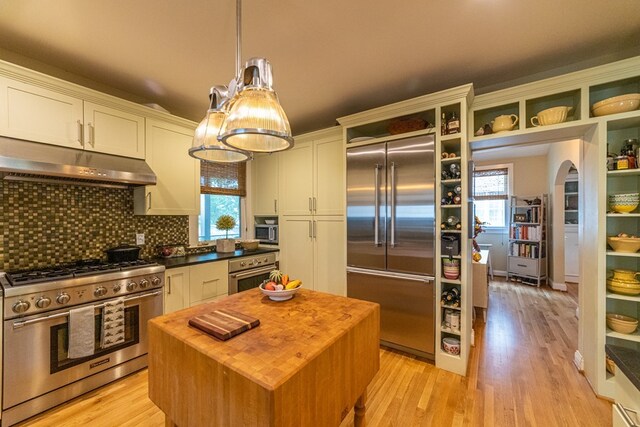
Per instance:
(527,252)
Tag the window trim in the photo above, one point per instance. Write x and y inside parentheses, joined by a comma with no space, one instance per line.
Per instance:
(509,166)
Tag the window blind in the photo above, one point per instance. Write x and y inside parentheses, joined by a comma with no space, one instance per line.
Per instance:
(223,178)
(491,184)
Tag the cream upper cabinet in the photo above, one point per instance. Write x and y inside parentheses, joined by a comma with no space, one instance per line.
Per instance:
(296,178)
(176,289)
(208,282)
(177,191)
(41,115)
(111,131)
(329,170)
(296,249)
(312,175)
(264,172)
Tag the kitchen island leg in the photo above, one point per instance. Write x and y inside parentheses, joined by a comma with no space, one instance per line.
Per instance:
(359,410)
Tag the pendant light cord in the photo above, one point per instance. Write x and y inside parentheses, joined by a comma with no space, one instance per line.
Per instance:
(238,36)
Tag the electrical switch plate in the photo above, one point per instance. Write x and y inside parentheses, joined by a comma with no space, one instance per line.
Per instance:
(139,238)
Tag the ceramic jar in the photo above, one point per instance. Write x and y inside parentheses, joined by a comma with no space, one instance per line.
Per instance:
(504,123)
(624,282)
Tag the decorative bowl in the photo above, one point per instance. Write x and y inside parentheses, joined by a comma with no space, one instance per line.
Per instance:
(621,323)
(624,244)
(270,221)
(623,287)
(623,207)
(250,245)
(451,345)
(283,295)
(616,104)
(451,268)
(551,116)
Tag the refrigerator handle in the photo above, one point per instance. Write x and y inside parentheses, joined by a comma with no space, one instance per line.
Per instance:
(376,205)
(393,204)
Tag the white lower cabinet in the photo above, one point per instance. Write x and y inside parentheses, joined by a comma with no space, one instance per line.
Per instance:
(571,254)
(208,282)
(312,249)
(177,191)
(196,284)
(176,288)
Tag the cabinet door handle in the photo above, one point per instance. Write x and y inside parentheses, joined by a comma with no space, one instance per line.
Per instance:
(310,230)
(92,135)
(80,133)
(310,205)
(149,201)
(275,205)
(168,285)
(314,229)
(314,205)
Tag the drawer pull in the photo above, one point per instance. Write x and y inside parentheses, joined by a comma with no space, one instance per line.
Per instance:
(522,265)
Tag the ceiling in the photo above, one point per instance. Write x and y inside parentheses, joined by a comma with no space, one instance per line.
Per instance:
(330,58)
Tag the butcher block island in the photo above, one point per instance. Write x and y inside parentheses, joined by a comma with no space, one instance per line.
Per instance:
(307,363)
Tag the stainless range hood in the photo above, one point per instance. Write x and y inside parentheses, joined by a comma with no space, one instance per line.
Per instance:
(24,160)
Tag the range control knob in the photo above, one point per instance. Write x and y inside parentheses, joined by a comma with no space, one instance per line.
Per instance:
(265,260)
(155,281)
(43,302)
(242,264)
(63,298)
(116,288)
(100,291)
(131,286)
(144,284)
(21,306)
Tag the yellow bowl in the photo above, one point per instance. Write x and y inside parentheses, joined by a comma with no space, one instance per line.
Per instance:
(624,244)
(622,287)
(621,323)
(616,104)
(623,208)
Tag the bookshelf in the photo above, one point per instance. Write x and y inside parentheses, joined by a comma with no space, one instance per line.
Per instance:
(527,252)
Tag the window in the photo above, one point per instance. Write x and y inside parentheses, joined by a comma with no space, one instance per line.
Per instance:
(491,192)
(222,188)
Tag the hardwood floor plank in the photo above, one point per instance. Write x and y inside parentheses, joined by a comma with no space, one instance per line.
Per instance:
(520,373)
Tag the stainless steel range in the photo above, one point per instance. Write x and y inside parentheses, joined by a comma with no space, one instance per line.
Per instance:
(38,372)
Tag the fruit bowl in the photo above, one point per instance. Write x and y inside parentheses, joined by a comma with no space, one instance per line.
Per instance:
(616,104)
(624,244)
(283,295)
(621,323)
(250,245)
(624,203)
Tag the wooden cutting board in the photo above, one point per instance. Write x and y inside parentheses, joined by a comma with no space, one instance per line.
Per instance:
(224,324)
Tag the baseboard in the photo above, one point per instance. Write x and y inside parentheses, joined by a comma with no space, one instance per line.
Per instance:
(578,361)
(571,278)
(500,273)
(558,286)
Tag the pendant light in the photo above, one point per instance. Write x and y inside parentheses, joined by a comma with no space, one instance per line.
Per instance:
(256,122)
(244,118)
(206,145)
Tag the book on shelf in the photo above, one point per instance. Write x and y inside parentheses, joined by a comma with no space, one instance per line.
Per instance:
(532,214)
(526,232)
(527,250)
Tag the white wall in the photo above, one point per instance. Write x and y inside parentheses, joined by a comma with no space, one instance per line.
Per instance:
(529,178)
(561,155)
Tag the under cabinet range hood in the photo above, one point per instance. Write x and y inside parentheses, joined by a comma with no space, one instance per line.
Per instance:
(31,161)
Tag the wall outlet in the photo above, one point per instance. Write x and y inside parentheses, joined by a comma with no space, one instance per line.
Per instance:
(139,238)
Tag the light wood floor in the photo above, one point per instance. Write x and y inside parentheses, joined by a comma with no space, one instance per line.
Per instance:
(520,374)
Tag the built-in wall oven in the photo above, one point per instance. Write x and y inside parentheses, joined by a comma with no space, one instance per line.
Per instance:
(248,272)
(38,372)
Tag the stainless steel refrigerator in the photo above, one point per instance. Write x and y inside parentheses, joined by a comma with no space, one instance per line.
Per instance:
(390,238)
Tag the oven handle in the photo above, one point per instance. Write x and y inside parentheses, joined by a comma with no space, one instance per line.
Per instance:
(21,323)
(253,272)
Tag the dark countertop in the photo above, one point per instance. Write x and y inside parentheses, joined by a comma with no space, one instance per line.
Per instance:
(183,261)
(627,360)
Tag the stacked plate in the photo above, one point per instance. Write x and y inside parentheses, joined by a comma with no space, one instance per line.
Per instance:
(451,268)
(624,203)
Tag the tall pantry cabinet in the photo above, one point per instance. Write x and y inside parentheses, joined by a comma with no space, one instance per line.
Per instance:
(312,227)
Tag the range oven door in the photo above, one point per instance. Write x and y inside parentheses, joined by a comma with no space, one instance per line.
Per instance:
(36,361)
(249,279)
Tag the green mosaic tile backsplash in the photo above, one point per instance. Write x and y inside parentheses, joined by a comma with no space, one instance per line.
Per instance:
(46,224)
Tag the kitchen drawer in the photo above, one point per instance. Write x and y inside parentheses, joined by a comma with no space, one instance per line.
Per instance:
(524,266)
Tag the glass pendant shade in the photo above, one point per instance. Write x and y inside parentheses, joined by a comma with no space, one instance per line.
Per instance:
(206,145)
(256,122)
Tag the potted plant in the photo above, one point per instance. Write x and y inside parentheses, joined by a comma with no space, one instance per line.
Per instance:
(225,223)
